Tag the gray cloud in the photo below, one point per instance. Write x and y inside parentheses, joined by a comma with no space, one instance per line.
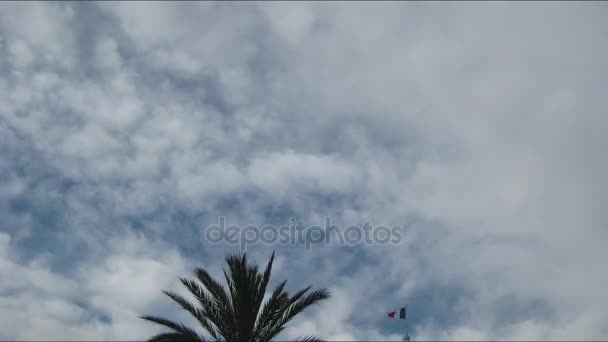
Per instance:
(125,127)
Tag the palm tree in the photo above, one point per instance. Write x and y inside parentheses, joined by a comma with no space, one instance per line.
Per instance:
(237,313)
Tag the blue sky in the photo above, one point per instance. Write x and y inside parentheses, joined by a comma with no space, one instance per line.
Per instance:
(126,128)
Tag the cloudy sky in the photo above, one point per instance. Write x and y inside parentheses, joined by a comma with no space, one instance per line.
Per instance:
(127,127)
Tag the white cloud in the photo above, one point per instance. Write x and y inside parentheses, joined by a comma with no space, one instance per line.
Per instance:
(280,173)
(38,303)
(483,120)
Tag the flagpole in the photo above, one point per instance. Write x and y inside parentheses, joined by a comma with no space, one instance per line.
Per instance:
(406,337)
(405,333)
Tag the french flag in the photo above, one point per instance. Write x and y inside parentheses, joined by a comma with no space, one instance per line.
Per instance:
(392,314)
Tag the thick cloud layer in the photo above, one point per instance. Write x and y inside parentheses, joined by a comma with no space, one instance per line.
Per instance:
(125,128)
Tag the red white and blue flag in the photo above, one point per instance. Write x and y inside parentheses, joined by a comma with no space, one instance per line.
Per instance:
(393,314)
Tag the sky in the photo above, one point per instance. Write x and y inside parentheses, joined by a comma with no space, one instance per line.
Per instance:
(126,128)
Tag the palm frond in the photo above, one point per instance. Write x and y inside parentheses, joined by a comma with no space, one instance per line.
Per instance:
(188,333)
(216,304)
(273,309)
(295,308)
(199,315)
(171,337)
(216,289)
(310,339)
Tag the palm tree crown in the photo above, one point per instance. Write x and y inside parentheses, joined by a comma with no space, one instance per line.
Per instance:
(239,312)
